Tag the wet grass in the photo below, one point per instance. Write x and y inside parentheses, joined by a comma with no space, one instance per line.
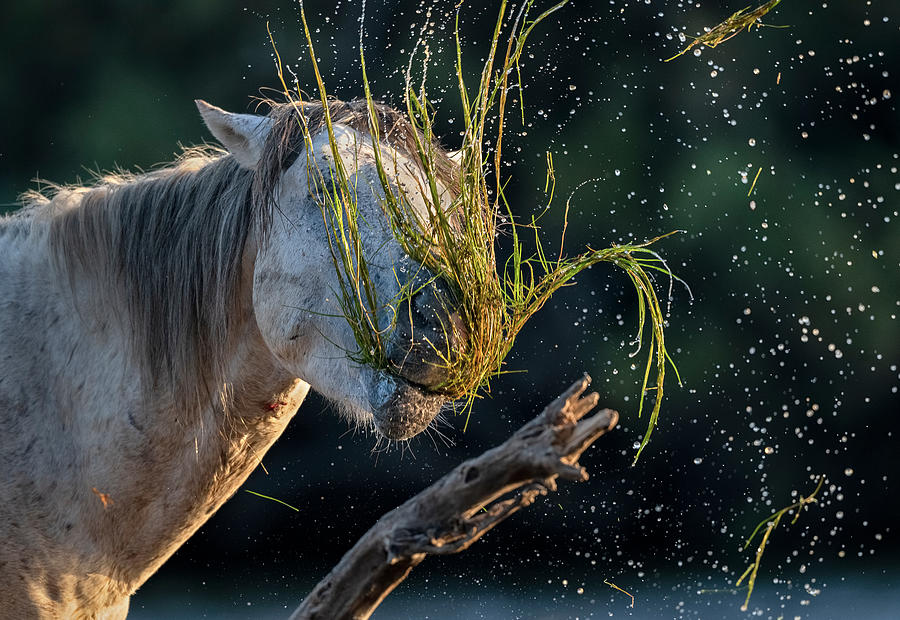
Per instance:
(770,523)
(457,242)
(731,27)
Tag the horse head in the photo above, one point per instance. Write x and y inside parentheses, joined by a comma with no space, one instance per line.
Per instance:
(296,288)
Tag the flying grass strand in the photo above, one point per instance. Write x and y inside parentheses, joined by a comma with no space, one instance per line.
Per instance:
(615,587)
(731,27)
(771,523)
(457,243)
(274,499)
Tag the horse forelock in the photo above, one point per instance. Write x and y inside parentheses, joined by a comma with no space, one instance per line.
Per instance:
(294,120)
(169,244)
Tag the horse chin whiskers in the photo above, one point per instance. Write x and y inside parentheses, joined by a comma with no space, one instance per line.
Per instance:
(441,428)
(386,445)
(361,421)
(437,432)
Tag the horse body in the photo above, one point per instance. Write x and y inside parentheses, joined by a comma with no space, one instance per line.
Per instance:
(117,441)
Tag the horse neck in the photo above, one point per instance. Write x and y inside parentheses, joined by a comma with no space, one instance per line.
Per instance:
(176,462)
(143,470)
(194,460)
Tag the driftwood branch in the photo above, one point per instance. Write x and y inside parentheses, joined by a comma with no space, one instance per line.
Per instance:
(462,506)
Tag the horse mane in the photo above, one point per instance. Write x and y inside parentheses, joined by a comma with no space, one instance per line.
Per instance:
(171,242)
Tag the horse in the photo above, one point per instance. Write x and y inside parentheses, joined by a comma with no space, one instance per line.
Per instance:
(159,330)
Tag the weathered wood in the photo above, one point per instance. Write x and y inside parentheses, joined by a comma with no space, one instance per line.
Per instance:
(461,507)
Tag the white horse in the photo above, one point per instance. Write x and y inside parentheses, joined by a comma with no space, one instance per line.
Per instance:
(157,333)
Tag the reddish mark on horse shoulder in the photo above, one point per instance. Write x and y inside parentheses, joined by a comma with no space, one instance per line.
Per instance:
(104,497)
(273,406)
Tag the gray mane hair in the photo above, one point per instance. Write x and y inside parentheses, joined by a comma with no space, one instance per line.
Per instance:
(167,247)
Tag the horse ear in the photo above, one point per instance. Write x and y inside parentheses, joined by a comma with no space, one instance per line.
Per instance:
(455,157)
(242,134)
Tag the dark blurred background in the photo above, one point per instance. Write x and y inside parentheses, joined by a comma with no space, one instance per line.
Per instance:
(788,350)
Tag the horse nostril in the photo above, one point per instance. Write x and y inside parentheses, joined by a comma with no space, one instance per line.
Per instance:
(427,304)
(439,323)
(428,336)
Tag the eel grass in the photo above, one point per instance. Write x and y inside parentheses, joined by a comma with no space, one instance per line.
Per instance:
(731,27)
(458,243)
(771,523)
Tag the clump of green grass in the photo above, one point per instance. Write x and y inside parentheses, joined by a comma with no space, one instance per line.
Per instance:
(771,522)
(732,27)
(457,243)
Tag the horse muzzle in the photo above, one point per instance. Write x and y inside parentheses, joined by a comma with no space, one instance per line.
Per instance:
(401,409)
(428,336)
